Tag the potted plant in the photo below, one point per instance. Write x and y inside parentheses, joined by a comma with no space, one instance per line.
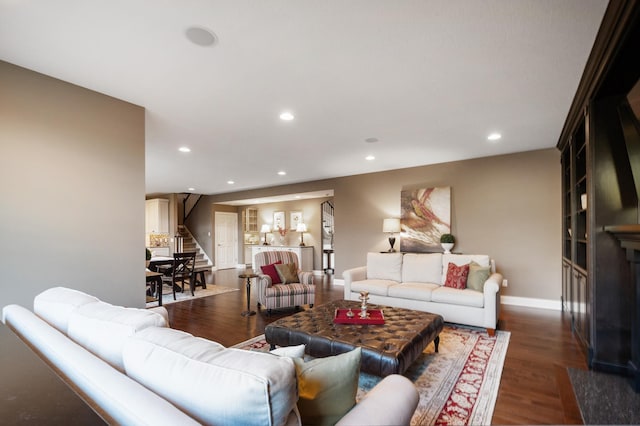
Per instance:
(447,242)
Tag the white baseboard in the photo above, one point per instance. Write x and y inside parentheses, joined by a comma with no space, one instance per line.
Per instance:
(531,302)
(338,282)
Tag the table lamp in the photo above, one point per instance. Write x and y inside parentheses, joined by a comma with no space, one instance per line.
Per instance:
(265,229)
(301,228)
(391,226)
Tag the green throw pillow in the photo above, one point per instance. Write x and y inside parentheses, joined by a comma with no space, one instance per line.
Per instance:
(288,273)
(327,387)
(477,276)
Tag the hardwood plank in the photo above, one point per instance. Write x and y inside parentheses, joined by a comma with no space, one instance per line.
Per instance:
(533,389)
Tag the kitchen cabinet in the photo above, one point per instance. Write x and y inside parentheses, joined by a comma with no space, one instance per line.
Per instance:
(305,254)
(251,220)
(157,216)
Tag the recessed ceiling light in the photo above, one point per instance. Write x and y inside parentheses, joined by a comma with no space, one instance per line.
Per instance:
(200,36)
(191,189)
(230,182)
(286,116)
(282,173)
(371,140)
(369,158)
(184,149)
(494,136)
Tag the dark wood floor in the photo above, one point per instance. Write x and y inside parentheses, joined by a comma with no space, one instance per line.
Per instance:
(534,389)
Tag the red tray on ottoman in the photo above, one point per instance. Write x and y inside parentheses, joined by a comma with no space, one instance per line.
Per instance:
(374,316)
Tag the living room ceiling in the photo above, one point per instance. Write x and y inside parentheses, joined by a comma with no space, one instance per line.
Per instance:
(408,82)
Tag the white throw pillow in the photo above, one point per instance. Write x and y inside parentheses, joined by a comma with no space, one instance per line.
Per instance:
(384,266)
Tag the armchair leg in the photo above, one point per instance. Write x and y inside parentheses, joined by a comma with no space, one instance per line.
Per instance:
(491,331)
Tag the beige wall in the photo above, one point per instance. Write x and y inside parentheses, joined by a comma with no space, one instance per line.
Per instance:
(73,189)
(506,206)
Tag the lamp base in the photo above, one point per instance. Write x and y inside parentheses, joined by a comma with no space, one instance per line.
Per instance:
(392,241)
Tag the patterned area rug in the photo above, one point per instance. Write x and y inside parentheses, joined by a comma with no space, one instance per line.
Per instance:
(211,290)
(457,386)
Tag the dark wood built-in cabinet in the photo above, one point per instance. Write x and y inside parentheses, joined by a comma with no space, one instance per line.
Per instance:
(600,156)
(576,297)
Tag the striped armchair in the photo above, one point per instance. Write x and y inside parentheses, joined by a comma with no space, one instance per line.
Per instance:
(274,296)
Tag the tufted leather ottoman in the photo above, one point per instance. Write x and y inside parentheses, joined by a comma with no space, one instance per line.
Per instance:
(386,349)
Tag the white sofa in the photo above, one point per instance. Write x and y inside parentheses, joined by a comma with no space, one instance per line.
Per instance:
(416,281)
(132,369)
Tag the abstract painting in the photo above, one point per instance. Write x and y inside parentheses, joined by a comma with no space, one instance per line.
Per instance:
(425,215)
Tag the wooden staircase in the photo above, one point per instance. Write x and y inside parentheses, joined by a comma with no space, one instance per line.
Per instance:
(189,245)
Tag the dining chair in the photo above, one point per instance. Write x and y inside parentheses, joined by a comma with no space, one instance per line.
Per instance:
(181,272)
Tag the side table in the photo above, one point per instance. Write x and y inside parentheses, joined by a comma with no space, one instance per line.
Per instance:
(248,312)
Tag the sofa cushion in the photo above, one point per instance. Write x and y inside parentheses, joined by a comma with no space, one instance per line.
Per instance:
(103,328)
(477,276)
(457,276)
(377,287)
(384,266)
(213,384)
(56,304)
(422,268)
(270,270)
(453,296)
(463,259)
(327,387)
(413,291)
(288,273)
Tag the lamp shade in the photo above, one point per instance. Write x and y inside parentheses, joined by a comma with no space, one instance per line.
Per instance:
(265,228)
(391,225)
(301,227)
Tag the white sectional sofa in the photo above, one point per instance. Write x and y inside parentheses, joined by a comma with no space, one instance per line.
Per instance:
(132,369)
(416,281)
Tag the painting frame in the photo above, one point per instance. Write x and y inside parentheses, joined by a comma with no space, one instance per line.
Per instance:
(295,217)
(279,221)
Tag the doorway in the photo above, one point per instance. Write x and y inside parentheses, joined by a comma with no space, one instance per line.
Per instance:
(328,231)
(226,240)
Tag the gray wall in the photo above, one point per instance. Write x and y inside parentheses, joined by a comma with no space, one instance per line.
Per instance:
(73,189)
(507,206)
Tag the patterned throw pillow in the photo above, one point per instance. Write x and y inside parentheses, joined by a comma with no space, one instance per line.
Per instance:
(457,276)
(271,271)
(288,273)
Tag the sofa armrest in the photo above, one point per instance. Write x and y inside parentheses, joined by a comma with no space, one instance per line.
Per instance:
(391,402)
(305,277)
(492,284)
(351,275)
